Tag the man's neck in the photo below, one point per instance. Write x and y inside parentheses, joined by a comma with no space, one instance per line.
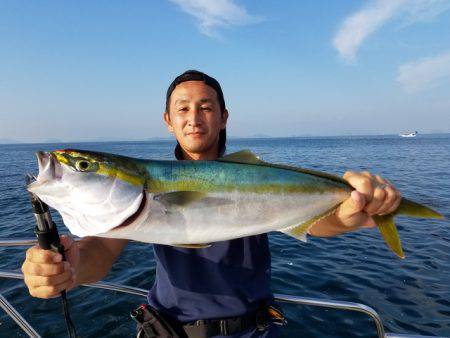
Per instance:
(210,154)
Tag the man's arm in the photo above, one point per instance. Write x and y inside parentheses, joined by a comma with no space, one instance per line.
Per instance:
(372,196)
(88,260)
(97,255)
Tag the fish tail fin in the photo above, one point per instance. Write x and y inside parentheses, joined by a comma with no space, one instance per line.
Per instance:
(388,231)
(387,227)
(410,208)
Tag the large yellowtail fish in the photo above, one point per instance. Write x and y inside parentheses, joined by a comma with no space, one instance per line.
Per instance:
(193,203)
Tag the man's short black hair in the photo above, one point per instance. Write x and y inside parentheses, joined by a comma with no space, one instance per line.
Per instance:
(195,75)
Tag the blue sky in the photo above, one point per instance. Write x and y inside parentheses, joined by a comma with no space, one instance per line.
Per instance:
(89,70)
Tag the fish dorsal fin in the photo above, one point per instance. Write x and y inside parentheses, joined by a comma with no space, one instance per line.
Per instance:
(243,156)
(247,157)
(192,246)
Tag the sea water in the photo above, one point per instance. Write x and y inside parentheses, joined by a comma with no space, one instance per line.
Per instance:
(411,295)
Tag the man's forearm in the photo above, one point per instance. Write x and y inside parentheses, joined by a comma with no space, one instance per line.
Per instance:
(97,255)
(327,227)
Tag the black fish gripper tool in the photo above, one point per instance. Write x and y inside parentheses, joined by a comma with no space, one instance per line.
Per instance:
(48,239)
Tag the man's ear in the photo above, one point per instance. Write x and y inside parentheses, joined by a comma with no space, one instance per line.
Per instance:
(224,119)
(166,118)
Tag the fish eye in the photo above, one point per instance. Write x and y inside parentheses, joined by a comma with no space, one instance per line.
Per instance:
(82,165)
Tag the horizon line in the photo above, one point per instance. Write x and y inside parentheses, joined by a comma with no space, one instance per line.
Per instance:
(232,137)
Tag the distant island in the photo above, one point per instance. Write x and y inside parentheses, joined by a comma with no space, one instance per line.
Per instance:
(9,141)
(259,136)
(6,141)
(53,140)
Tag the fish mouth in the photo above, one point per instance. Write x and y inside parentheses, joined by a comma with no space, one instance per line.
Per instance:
(49,169)
(49,166)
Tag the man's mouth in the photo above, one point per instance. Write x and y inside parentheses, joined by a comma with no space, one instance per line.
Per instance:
(196,133)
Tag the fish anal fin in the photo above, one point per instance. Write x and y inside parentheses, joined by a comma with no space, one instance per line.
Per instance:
(388,230)
(192,246)
(300,231)
(243,156)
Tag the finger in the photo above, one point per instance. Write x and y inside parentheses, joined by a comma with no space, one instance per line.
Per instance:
(37,281)
(397,202)
(388,201)
(362,183)
(67,242)
(399,197)
(347,174)
(367,174)
(45,269)
(71,249)
(389,182)
(379,196)
(381,180)
(369,223)
(352,205)
(48,291)
(38,255)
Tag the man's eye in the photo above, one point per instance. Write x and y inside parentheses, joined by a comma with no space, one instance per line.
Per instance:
(182,109)
(206,108)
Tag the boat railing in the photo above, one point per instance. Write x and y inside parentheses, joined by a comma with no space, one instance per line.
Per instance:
(280,298)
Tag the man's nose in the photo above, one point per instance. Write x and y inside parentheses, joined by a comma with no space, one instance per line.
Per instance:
(195,117)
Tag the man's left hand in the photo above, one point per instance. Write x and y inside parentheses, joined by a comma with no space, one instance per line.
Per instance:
(373,195)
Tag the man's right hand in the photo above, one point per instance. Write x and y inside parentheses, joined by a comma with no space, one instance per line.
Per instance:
(45,274)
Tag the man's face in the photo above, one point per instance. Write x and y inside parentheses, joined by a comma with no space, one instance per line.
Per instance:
(195,117)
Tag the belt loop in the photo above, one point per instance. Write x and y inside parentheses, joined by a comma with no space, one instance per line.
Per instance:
(262,319)
(223,324)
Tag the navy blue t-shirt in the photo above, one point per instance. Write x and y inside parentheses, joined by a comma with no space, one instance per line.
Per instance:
(227,279)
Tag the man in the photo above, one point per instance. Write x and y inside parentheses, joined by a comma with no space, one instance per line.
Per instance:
(225,285)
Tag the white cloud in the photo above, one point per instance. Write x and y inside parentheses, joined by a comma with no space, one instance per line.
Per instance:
(424,10)
(361,24)
(213,14)
(425,73)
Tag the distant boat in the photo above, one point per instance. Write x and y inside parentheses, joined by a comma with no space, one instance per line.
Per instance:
(413,134)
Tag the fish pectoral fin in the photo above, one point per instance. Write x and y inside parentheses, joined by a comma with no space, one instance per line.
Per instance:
(389,232)
(179,198)
(184,198)
(243,156)
(300,231)
(192,246)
